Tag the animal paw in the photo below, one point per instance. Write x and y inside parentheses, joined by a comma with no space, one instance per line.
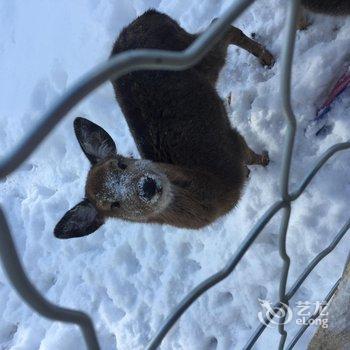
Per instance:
(266,58)
(265,159)
(303,22)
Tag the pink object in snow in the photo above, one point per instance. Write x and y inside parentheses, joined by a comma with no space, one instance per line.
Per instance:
(319,126)
(339,87)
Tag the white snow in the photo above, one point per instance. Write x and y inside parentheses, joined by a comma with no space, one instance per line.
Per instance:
(127,276)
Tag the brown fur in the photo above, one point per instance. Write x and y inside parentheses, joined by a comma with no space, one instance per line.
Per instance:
(178,118)
(328,7)
(181,130)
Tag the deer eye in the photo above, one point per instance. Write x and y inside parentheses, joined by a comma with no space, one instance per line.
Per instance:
(122,165)
(115,205)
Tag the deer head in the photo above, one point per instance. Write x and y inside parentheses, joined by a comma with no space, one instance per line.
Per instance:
(116,186)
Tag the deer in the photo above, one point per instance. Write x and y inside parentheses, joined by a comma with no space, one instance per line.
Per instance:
(193,163)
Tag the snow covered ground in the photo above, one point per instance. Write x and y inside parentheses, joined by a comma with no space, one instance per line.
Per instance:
(129,276)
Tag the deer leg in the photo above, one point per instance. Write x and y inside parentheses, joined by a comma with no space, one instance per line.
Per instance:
(303,20)
(247,171)
(257,159)
(252,158)
(238,38)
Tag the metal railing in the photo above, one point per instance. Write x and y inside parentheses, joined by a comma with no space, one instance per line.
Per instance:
(165,60)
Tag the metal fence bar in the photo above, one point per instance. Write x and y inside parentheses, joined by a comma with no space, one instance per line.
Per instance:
(260,329)
(216,278)
(15,273)
(249,240)
(286,198)
(312,317)
(114,68)
(317,259)
(117,66)
(298,283)
(322,160)
(284,275)
(160,60)
(285,86)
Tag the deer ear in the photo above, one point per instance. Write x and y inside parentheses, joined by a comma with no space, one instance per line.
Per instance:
(95,142)
(79,221)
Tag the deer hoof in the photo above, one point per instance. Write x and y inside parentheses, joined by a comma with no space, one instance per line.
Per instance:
(265,159)
(303,23)
(267,59)
(247,174)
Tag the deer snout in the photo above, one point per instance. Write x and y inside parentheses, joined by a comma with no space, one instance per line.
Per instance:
(149,188)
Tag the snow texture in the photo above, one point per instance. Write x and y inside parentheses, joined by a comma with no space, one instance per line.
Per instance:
(129,276)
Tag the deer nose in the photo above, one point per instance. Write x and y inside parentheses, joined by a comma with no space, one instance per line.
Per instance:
(149,188)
